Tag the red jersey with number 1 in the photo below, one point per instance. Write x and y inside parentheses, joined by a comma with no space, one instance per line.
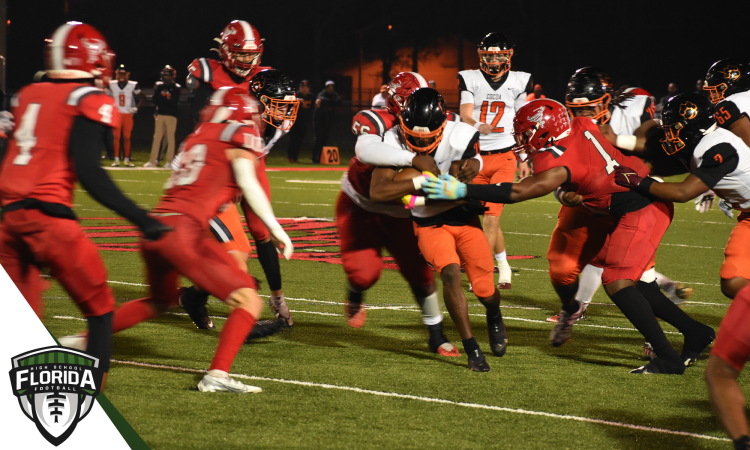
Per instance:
(204,178)
(591,162)
(37,163)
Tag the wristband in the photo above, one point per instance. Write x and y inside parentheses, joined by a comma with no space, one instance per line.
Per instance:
(410,201)
(645,185)
(625,142)
(477,124)
(418,182)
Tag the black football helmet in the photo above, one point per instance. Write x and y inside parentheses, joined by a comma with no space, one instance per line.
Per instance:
(685,119)
(423,119)
(590,88)
(726,77)
(276,92)
(167,70)
(495,44)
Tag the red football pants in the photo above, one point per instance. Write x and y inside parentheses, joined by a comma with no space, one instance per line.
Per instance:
(631,248)
(257,228)
(191,251)
(363,234)
(31,240)
(733,340)
(126,127)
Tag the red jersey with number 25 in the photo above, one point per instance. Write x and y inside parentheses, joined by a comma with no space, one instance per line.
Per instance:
(38,163)
(591,161)
(204,178)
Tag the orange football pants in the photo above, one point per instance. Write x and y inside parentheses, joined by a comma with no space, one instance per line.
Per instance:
(464,245)
(126,127)
(230,223)
(498,168)
(737,251)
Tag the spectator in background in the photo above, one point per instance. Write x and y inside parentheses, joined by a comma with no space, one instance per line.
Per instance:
(166,98)
(432,84)
(323,118)
(304,116)
(123,91)
(672,91)
(379,100)
(537,94)
(699,88)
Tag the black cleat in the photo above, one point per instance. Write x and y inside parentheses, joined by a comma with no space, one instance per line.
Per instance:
(498,338)
(194,304)
(264,328)
(662,366)
(477,362)
(696,342)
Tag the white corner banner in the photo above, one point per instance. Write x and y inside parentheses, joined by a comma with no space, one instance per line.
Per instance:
(49,399)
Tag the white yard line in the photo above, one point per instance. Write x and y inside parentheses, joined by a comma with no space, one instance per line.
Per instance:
(438,400)
(314,181)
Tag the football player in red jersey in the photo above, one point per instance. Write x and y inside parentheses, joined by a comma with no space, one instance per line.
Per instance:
(217,164)
(240,49)
(576,155)
(39,172)
(366,227)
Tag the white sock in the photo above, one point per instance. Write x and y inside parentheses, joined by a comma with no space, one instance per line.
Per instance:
(117,159)
(502,256)
(430,306)
(588,283)
(218,373)
(662,281)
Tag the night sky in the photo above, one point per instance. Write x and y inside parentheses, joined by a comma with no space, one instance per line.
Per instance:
(640,43)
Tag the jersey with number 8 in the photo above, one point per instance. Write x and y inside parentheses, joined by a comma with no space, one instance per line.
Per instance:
(203,180)
(38,163)
(590,160)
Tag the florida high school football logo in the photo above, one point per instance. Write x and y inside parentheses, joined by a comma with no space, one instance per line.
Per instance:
(688,110)
(56,387)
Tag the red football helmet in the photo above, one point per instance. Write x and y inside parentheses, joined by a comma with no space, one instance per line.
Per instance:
(400,88)
(76,50)
(539,124)
(231,103)
(240,47)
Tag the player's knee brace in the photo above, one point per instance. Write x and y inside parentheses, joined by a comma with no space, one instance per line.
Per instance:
(100,339)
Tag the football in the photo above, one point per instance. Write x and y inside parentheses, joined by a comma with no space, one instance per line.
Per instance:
(408,173)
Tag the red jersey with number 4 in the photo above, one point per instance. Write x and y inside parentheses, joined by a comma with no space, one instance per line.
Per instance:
(204,178)
(374,121)
(591,162)
(38,163)
(212,72)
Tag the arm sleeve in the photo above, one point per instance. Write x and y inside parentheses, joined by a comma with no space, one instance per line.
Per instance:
(719,161)
(493,193)
(371,149)
(86,138)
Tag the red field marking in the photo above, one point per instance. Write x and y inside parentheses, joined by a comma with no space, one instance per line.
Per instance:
(320,241)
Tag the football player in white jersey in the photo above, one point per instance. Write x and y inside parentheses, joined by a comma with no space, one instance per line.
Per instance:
(123,91)
(624,118)
(448,234)
(728,82)
(718,160)
(490,98)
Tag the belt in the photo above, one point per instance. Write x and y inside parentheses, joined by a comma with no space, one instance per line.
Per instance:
(47,208)
(495,152)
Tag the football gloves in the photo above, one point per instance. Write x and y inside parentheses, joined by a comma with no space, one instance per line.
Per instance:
(629,178)
(705,201)
(446,187)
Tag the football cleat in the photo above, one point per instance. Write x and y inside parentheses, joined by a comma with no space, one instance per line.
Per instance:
(128,163)
(498,338)
(554,318)
(696,343)
(356,320)
(116,163)
(661,366)
(648,351)
(76,341)
(148,164)
(449,350)
(564,327)
(194,303)
(477,362)
(264,328)
(218,384)
(440,344)
(506,274)
(678,292)
(280,310)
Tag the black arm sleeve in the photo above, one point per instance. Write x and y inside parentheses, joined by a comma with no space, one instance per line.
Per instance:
(493,193)
(719,161)
(529,86)
(200,98)
(86,139)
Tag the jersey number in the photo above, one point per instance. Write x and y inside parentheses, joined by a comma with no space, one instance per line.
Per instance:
(722,115)
(497,108)
(191,164)
(611,163)
(122,99)
(24,135)
(363,129)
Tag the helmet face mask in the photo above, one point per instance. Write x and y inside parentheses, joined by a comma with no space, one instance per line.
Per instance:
(495,52)
(280,113)
(421,140)
(275,92)
(672,142)
(423,120)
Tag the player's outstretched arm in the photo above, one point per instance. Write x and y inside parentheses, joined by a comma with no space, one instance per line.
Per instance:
(448,188)
(682,192)
(243,164)
(86,137)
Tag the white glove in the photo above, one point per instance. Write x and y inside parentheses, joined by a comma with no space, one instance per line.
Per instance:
(726,208)
(133,110)
(705,201)
(279,237)
(6,122)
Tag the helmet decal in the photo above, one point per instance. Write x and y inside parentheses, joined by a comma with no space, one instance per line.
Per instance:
(688,110)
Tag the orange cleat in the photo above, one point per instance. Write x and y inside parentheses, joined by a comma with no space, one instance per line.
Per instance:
(358,319)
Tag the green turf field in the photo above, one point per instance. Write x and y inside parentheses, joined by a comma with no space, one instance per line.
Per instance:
(329,386)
